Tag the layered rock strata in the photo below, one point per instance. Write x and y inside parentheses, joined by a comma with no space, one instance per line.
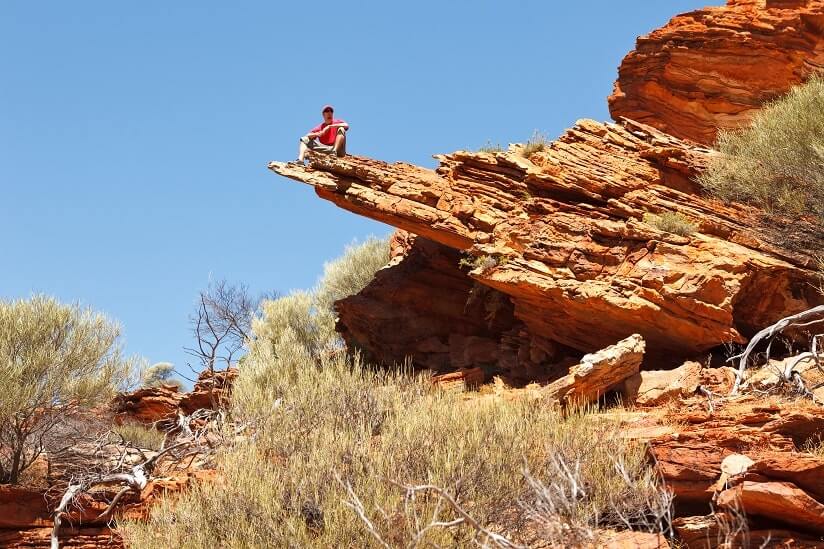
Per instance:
(562,235)
(423,306)
(161,405)
(712,68)
(745,459)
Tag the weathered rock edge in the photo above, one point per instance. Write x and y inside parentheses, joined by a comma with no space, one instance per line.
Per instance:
(714,67)
(562,235)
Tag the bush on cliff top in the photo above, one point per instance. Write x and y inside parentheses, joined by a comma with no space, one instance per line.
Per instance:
(776,163)
(329,438)
(537,143)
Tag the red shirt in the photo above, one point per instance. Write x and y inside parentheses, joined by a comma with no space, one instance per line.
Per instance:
(328,136)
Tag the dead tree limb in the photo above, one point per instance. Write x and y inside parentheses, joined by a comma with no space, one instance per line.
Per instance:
(134,480)
(497,539)
(798,320)
(68,496)
(410,491)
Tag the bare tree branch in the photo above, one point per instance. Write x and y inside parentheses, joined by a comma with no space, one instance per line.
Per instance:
(793,321)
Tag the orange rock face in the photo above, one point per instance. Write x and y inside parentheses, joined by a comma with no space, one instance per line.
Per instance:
(148,405)
(156,405)
(561,235)
(713,67)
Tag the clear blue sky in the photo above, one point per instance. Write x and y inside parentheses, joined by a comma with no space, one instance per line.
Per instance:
(134,136)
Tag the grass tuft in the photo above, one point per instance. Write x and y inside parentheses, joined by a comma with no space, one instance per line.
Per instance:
(491,148)
(139,436)
(537,143)
(670,222)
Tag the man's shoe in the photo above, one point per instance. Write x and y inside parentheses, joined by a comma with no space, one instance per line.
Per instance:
(296,163)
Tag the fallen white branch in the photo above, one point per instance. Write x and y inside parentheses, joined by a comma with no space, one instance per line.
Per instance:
(793,321)
(134,480)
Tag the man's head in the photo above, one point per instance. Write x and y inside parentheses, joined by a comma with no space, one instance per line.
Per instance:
(328,112)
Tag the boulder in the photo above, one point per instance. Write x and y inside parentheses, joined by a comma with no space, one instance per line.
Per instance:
(780,501)
(147,405)
(599,373)
(654,387)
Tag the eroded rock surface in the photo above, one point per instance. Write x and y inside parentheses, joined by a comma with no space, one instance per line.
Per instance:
(162,404)
(561,235)
(712,68)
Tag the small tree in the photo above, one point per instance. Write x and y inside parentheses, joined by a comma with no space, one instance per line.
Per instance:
(309,317)
(54,359)
(221,325)
(162,373)
(352,272)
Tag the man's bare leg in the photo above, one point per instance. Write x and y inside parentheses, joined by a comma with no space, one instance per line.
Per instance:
(303,148)
(340,143)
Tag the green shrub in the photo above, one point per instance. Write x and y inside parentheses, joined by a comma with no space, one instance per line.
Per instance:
(161,373)
(309,316)
(332,439)
(54,359)
(324,429)
(483,262)
(140,436)
(777,162)
(351,273)
(670,222)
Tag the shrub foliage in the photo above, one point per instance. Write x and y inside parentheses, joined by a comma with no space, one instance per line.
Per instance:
(139,436)
(777,162)
(54,359)
(334,444)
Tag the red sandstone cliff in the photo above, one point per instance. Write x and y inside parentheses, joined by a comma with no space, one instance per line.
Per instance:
(562,257)
(520,265)
(711,68)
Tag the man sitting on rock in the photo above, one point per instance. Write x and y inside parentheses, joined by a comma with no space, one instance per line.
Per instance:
(330,135)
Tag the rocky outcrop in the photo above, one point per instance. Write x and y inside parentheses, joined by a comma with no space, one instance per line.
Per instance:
(713,67)
(211,391)
(561,236)
(690,458)
(160,405)
(516,265)
(147,405)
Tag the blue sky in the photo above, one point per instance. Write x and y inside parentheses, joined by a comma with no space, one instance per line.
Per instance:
(134,136)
